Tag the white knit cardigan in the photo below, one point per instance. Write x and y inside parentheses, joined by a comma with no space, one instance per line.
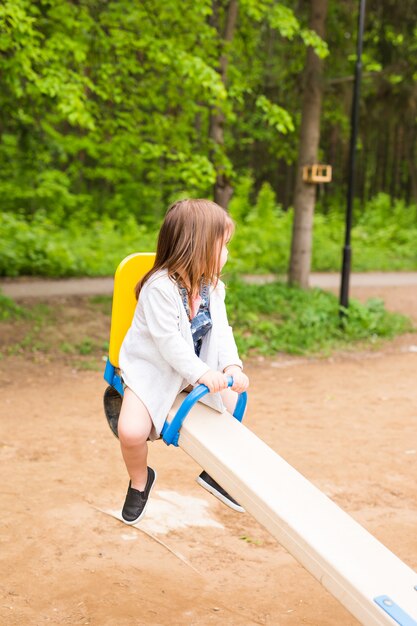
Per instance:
(157,358)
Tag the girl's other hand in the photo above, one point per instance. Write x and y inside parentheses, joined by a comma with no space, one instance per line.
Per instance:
(215,381)
(240,380)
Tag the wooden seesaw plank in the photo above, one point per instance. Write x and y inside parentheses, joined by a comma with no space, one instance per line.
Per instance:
(350,562)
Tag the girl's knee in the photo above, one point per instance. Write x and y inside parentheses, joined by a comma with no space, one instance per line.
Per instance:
(135,423)
(132,435)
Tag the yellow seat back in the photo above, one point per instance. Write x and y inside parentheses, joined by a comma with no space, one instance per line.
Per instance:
(127,275)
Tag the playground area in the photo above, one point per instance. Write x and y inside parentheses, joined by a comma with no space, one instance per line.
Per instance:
(346,422)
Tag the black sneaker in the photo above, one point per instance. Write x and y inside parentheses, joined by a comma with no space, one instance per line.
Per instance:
(136,501)
(210,484)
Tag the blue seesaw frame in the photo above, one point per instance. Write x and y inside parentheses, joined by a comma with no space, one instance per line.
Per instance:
(171,430)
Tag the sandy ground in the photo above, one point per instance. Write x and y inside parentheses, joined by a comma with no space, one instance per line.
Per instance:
(348,423)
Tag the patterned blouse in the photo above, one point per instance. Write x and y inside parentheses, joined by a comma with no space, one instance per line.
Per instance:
(201,322)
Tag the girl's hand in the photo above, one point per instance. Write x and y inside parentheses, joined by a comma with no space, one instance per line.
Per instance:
(215,381)
(240,380)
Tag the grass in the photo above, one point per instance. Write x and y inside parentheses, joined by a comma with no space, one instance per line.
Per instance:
(74,331)
(32,322)
(9,309)
(272,318)
(267,319)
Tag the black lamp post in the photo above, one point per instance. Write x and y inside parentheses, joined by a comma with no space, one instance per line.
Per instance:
(347,252)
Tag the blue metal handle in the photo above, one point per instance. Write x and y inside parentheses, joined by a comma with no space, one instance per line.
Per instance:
(170,431)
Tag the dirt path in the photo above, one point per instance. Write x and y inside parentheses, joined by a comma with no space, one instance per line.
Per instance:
(348,423)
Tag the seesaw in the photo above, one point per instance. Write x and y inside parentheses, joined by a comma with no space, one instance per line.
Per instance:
(367,578)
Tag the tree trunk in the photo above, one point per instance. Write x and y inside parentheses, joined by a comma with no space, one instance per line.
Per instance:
(412,169)
(305,193)
(223,190)
(411,143)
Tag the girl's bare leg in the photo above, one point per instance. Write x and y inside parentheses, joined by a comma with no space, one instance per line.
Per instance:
(229,399)
(134,427)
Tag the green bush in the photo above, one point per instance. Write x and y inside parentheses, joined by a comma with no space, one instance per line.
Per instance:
(384,234)
(263,234)
(276,318)
(267,319)
(384,237)
(41,248)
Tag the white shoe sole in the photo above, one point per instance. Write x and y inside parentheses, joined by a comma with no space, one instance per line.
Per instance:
(219,496)
(135,521)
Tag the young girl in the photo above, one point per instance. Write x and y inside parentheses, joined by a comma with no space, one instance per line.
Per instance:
(179,337)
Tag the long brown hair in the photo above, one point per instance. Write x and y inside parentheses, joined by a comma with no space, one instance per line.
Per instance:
(190,243)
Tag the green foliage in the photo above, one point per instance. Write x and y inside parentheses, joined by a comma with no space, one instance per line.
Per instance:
(383,238)
(276,318)
(102,303)
(312,39)
(40,247)
(267,319)
(9,309)
(387,120)
(261,242)
(85,346)
(106,105)
(275,115)
(105,119)
(32,320)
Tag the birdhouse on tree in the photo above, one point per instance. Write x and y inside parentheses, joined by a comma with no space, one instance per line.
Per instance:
(317,173)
